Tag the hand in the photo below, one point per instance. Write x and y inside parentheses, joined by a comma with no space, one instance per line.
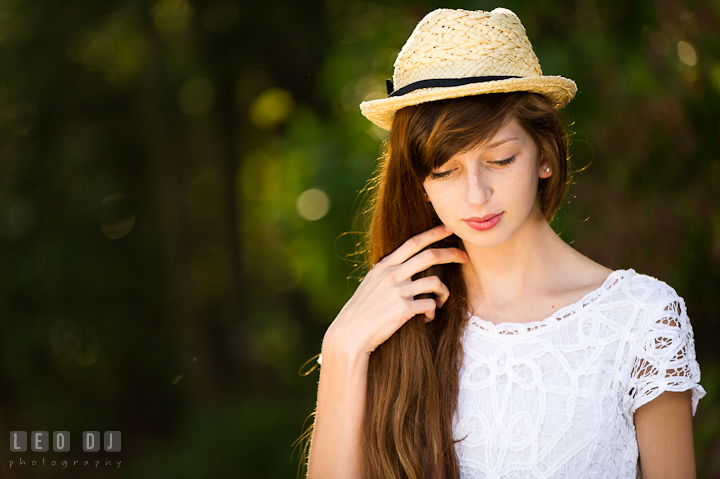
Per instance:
(384,300)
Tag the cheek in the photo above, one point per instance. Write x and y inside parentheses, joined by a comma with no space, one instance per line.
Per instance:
(443,201)
(520,186)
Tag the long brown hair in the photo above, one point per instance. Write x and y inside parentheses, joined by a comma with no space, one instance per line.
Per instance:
(413,381)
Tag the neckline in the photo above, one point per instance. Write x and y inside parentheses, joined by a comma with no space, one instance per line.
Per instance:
(559,316)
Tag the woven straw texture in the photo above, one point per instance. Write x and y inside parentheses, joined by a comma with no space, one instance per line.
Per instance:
(461,44)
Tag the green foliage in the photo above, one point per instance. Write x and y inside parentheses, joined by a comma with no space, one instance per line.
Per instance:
(180,201)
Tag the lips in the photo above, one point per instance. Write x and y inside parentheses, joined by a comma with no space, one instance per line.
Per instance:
(484,223)
(482,218)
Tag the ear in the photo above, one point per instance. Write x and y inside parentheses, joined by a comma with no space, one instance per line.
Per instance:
(544,168)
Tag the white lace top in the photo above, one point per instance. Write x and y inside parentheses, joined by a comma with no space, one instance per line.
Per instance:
(555,398)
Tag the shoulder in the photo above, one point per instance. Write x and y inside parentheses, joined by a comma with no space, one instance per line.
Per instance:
(661,340)
(648,292)
(641,289)
(641,304)
(658,318)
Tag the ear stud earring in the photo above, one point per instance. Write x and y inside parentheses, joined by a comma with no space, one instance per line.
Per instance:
(547,169)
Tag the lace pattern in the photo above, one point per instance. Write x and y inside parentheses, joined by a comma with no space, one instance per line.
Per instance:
(555,398)
(666,359)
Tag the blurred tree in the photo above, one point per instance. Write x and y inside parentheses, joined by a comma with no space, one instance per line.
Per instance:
(177,178)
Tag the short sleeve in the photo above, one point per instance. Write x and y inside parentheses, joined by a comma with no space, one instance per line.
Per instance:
(665,359)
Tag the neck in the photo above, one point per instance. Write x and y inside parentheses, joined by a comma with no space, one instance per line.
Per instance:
(503,274)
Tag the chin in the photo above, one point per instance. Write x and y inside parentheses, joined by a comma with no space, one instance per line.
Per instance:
(486,240)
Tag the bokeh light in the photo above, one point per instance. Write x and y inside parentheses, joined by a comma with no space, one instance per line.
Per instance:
(271,107)
(182,202)
(115,48)
(313,204)
(687,54)
(116,216)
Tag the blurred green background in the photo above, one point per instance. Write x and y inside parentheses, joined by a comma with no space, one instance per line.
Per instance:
(180,180)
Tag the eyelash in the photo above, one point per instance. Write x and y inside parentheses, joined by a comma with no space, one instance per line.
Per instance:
(437,176)
(505,162)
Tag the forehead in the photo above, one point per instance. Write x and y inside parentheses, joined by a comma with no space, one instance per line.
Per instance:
(511,133)
(511,129)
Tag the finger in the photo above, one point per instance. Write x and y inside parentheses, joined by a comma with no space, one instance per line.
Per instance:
(416,243)
(429,284)
(423,306)
(422,261)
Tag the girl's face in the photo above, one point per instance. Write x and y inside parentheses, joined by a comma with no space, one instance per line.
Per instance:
(487,194)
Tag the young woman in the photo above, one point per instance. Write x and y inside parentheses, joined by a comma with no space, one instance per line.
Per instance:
(479,344)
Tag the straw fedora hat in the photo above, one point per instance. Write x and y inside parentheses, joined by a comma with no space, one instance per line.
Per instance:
(456,53)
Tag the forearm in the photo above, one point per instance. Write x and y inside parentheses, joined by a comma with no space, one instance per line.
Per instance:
(384,301)
(342,389)
(664,436)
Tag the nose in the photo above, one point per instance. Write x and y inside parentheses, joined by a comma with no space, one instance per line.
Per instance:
(479,189)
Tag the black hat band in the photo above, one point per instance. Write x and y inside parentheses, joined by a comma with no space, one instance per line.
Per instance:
(441,82)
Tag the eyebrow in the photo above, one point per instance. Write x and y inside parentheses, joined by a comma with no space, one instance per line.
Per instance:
(498,143)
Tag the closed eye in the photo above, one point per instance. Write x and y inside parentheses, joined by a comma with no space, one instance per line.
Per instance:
(504,162)
(437,176)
